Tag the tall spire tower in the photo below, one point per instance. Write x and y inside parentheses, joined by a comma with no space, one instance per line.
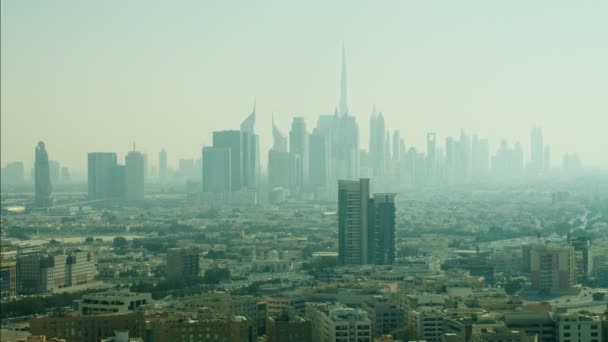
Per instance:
(343,90)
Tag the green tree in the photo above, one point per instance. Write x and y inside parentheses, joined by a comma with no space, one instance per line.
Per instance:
(88,240)
(120,242)
(598,296)
(212,254)
(513,286)
(216,275)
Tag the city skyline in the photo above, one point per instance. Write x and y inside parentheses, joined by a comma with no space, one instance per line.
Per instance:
(481,93)
(316,172)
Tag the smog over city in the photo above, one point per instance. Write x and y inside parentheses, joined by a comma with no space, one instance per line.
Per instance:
(304,171)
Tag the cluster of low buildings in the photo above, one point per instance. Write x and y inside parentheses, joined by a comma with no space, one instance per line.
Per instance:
(32,269)
(412,309)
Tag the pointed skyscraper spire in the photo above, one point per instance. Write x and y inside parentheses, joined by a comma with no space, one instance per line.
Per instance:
(280,141)
(343,88)
(249,123)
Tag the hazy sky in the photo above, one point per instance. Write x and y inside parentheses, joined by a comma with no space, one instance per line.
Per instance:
(96,76)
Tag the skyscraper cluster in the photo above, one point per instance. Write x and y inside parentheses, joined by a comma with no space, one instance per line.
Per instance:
(233,162)
(307,161)
(316,159)
(109,180)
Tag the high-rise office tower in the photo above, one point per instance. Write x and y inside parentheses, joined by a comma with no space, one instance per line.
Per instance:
(450,160)
(13,173)
(518,157)
(353,201)
(463,159)
(396,145)
(298,146)
(217,169)
(251,152)
(248,125)
(431,157)
(480,157)
(65,174)
(366,226)
(346,149)
(100,169)
(345,134)
(186,169)
(146,168)
(118,183)
(319,159)
(42,177)
(54,171)
(162,165)
(251,160)
(571,164)
(153,172)
(232,140)
(134,176)
(327,125)
(508,161)
(376,143)
(431,146)
(387,148)
(547,160)
(582,256)
(281,170)
(381,229)
(198,169)
(279,143)
(536,150)
(281,164)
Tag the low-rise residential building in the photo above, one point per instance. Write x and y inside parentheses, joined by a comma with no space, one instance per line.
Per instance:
(8,274)
(579,328)
(39,272)
(539,323)
(388,318)
(112,302)
(337,323)
(427,323)
(553,268)
(88,328)
(226,304)
(287,327)
(169,328)
(183,263)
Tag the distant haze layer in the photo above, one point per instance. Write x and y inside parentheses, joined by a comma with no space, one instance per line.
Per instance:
(98,76)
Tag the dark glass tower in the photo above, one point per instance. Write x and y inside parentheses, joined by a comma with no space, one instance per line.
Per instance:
(42,177)
(366,226)
(381,231)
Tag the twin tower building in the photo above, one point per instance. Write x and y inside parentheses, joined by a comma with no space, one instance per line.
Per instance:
(366,225)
